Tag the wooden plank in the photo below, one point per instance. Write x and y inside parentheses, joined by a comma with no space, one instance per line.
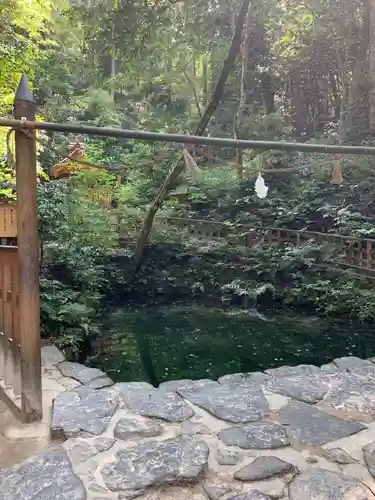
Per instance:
(13,406)
(8,220)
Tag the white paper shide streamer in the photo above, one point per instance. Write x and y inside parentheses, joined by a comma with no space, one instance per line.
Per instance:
(260,188)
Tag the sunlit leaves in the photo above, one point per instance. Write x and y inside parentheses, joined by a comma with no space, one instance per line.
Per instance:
(24,35)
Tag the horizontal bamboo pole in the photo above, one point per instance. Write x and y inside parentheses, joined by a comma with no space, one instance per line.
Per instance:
(142,135)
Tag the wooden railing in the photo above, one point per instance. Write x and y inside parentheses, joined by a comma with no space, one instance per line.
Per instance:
(350,251)
(20,370)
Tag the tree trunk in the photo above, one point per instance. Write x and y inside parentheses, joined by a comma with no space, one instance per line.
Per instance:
(335,94)
(205,79)
(298,105)
(358,110)
(176,170)
(371,65)
(268,93)
(112,69)
(238,124)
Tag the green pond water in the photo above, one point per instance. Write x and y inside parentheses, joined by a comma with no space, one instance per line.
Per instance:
(172,342)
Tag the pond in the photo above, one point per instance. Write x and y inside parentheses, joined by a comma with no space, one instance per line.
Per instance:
(190,341)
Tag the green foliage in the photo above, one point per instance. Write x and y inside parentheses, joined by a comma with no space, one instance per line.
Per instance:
(349,297)
(152,66)
(77,237)
(212,183)
(8,181)
(24,35)
(248,289)
(146,165)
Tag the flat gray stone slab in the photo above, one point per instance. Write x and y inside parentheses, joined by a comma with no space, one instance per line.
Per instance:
(293,371)
(257,436)
(315,427)
(369,456)
(99,383)
(215,492)
(129,428)
(238,405)
(352,394)
(307,387)
(329,368)
(251,495)
(349,362)
(44,477)
(321,484)
(156,403)
(122,386)
(82,412)
(264,468)
(339,456)
(171,461)
(362,368)
(235,379)
(93,377)
(175,385)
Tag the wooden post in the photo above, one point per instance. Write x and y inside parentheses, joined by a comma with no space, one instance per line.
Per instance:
(28,257)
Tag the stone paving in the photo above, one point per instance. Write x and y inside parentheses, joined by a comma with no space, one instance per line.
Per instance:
(290,433)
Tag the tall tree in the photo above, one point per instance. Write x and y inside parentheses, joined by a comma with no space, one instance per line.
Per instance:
(201,127)
(370,6)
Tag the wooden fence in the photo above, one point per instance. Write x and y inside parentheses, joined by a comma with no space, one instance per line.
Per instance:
(350,251)
(10,372)
(20,363)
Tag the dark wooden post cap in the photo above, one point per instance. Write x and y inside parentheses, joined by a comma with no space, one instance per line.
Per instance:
(23,92)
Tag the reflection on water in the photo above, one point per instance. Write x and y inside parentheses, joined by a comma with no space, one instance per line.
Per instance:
(163,343)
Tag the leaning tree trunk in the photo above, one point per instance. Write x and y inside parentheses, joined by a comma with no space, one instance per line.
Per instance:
(243,92)
(202,125)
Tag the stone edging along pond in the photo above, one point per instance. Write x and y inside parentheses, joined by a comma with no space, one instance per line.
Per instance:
(292,433)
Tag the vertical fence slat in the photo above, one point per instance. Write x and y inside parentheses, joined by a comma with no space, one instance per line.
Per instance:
(16,333)
(1,293)
(368,254)
(8,324)
(2,336)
